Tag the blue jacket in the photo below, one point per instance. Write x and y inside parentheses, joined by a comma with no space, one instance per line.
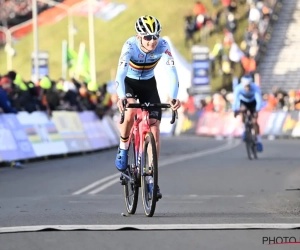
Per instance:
(5,103)
(241,95)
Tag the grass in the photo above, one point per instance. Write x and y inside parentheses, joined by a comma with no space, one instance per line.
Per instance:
(110,36)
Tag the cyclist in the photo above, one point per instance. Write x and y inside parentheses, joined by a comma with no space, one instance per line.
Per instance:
(135,80)
(248,95)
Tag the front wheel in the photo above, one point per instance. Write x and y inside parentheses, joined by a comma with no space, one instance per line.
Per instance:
(251,146)
(131,190)
(254,144)
(150,175)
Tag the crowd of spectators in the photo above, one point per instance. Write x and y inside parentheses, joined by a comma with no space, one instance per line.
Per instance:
(228,58)
(48,95)
(277,99)
(13,12)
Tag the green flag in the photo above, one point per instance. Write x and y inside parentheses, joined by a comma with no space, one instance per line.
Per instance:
(85,66)
(72,57)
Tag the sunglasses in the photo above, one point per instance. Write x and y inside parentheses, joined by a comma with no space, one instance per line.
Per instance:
(150,37)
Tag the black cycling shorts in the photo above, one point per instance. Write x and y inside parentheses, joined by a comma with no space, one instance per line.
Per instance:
(144,91)
(251,106)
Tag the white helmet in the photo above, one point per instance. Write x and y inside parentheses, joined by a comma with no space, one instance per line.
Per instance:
(147,25)
(245,81)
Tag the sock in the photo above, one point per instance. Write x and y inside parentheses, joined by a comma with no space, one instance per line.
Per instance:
(258,137)
(124,142)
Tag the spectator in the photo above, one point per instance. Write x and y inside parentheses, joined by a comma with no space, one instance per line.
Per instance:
(231,23)
(216,56)
(292,98)
(249,65)
(53,96)
(266,12)
(209,104)
(235,56)
(263,25)
(227,72)
(71,96)
(226,4)
(254,15)
(216,20)
(189,29)
(232,7)
(5,88)
(85,98)
(200,21)
(199,9)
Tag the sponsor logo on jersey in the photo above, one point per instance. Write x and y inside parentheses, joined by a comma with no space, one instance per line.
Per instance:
(123,64)
(124,55)
(141,56)
(163,44)
(168,52)
(171,62)
(129,45)
(152,56)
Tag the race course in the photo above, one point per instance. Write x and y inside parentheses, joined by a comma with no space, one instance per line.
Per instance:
(206,184)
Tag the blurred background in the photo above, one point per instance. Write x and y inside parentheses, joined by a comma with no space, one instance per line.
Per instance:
(214,43)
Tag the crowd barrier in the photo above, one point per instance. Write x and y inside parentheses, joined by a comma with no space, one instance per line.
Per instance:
(32,135)
(278,124)
(25,136)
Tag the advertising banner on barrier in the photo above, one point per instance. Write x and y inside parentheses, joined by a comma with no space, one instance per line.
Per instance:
(97,132)
(276,123)
(111,131)
(166,128)
(42,134)
(71,130)
(188,122)
(30,135)
(14,143)
(290,123)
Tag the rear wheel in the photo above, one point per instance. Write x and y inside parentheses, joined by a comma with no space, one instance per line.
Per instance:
(150,170)
(131,189)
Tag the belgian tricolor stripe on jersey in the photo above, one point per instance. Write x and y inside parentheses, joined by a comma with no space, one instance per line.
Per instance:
(143,66)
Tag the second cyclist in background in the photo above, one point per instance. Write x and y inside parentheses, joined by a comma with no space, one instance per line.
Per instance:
(248,94)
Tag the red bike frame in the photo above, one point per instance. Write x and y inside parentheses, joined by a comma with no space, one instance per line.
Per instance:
(139,130)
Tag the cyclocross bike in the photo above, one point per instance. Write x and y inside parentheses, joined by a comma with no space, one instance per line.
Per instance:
(142,160)
(250,137)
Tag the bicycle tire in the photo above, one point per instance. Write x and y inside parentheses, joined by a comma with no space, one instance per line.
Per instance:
(149,209)
(131,205)
(248,142)
(254,150)
(254,145)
